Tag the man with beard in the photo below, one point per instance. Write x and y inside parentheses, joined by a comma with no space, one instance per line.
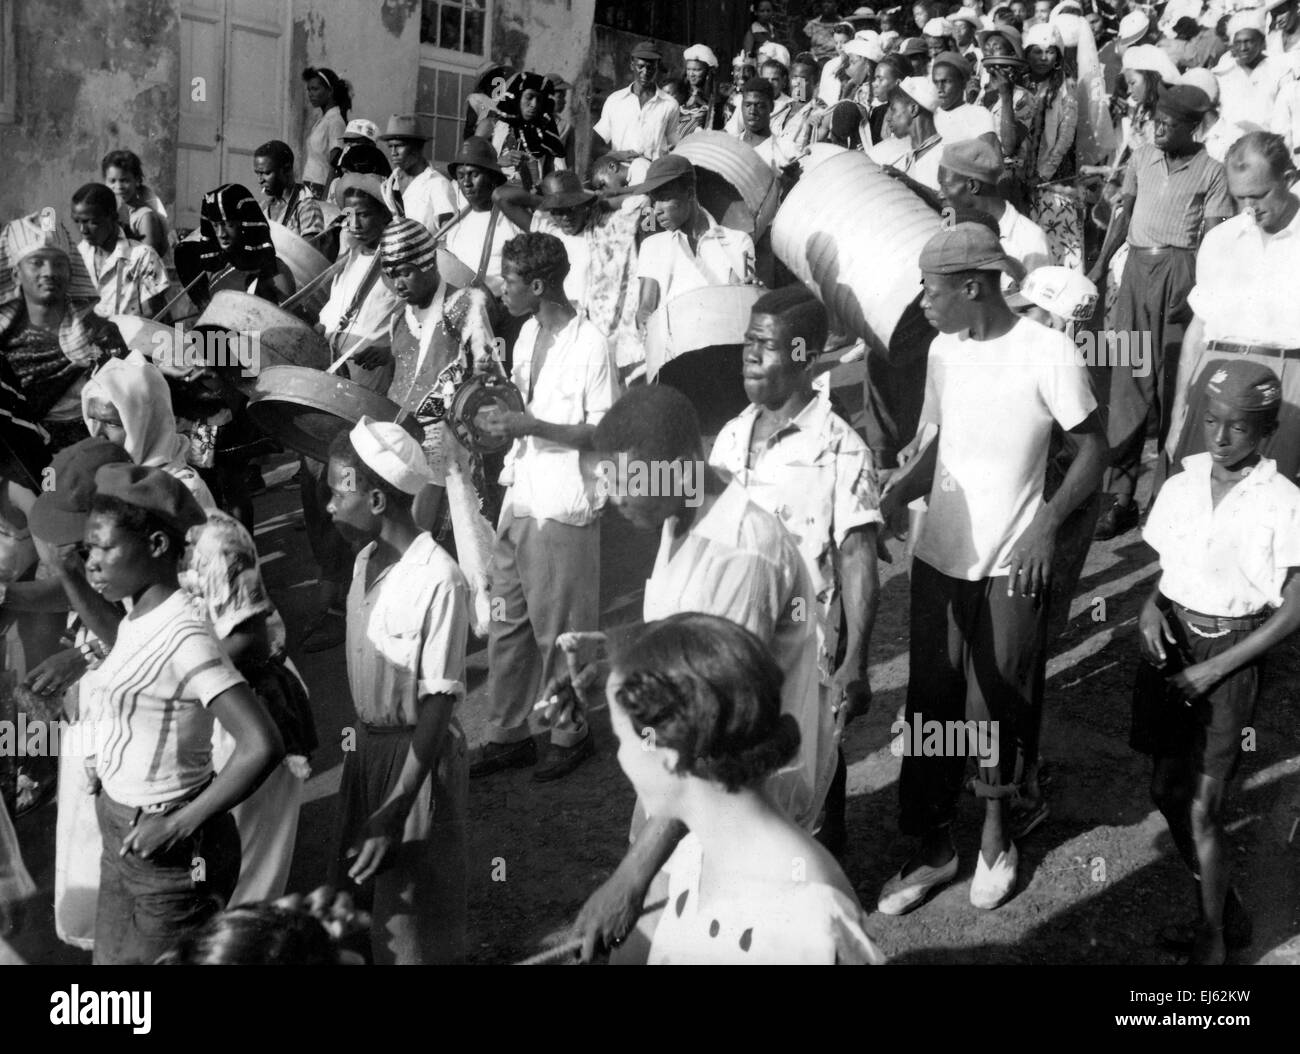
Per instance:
(49,334)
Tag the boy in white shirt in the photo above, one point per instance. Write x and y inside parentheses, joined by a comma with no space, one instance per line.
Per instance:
(1227,531)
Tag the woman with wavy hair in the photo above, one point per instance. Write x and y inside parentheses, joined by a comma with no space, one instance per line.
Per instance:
(695,701)
(332,96)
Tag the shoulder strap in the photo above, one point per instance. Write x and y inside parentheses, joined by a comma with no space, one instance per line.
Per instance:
(486,255)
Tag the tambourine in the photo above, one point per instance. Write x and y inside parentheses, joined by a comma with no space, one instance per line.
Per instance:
(479,392)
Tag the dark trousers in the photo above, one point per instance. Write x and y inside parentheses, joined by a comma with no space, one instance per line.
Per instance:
(1152,299)
(146,905)
(894,389)
(974,655)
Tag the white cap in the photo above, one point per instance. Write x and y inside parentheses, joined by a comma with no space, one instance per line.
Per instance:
(773,50)
(1132,28)
(1043,35)
(700,53)
(965,14)
(1151,59)
(921,90)
(1255,19)
(938,27)
(359,127)
(867,49)
(392,454)
(1205,80)
(1060,291)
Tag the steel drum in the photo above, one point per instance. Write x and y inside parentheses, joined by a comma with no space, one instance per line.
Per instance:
(156,341)
(306,408)
(277,337)
(304,263)
(746,191)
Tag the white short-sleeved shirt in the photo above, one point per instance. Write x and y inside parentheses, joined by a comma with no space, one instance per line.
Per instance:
(154,740)
(994,402)
(406,634)
(1231,560)
(1245,280)
(375,317)
(739,562)
(967,121)
(325,134)
(650,130)
(125,277)
(577,384)
(723,257)
(805,923)
(428,196)
(819,479)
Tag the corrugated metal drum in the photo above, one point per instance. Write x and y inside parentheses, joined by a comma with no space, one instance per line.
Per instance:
(304,263)
(854,235)
(739,166)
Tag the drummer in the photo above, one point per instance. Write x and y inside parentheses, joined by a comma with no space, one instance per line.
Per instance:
(234,249)
(692,250)
(288,202)
(480,234)
(361,308)
(130,276)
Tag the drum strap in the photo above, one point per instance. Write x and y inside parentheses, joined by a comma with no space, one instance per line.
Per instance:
(359,298)
(486,255)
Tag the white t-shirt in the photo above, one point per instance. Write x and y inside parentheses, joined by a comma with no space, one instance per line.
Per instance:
(154,742)
(994,402)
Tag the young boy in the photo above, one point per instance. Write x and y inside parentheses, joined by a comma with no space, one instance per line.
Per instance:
(129,275)
(798,460)
(405,785)
(1227,531)
(546,560)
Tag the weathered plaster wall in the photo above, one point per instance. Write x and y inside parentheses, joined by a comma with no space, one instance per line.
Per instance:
(93,76)
(550,36)
(373,44)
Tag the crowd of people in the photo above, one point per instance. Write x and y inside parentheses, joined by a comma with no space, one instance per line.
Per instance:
(1122,173)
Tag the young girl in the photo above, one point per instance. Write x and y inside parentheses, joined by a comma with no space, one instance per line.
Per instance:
(140,210)
(761,30)
(171,849)
(695,701)
(1227,531)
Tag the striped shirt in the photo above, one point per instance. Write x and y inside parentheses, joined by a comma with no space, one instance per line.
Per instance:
(306,218)
(154,742)
(1174,197)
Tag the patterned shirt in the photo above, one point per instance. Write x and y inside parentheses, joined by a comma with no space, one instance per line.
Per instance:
(126,277)
(819,479)
(1174,197)
(306,218)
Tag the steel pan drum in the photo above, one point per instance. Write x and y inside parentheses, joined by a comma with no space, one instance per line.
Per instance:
(281,339)
(859,257)
(155,341)
(305,408)
(304,263)
(702,318)
(737,166)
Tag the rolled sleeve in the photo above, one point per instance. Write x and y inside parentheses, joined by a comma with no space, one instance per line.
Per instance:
(442,670)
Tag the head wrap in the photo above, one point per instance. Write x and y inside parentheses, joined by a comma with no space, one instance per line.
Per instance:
(30,234)
(1255,19)
(774,51)
(1044,35)
(701,53)
(539,136)
(1244,385)
(1150,59)
(407,241)
(138,391)
(938,27)
(1204,79)
(253,249)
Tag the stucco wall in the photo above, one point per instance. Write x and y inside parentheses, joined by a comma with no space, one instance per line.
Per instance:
(93,76)
(373,44)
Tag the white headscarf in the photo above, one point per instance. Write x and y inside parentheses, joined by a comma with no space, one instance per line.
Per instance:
(1094,138)
(138,391)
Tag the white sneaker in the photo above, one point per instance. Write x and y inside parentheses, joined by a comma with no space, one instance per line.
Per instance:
(901,895)
(992,885)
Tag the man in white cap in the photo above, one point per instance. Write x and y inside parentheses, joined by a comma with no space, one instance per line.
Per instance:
(405,784)
(1216,133)
(1248,79)
(49,334)
(427,195)
(940,35)
(965,24)
(911,117)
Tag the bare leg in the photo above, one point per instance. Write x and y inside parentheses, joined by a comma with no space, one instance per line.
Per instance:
(1211,852)
(1173,785)
(995,839)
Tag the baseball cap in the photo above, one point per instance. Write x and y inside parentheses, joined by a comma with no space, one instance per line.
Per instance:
(58,516)
(1058,290)
(967,247)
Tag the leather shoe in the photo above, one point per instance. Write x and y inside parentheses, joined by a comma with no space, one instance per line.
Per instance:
(497,757)
(560,761)
(1116,519)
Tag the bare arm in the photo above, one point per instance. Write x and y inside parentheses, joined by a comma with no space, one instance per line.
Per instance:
(649,302)
(859,579)
(517,203)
